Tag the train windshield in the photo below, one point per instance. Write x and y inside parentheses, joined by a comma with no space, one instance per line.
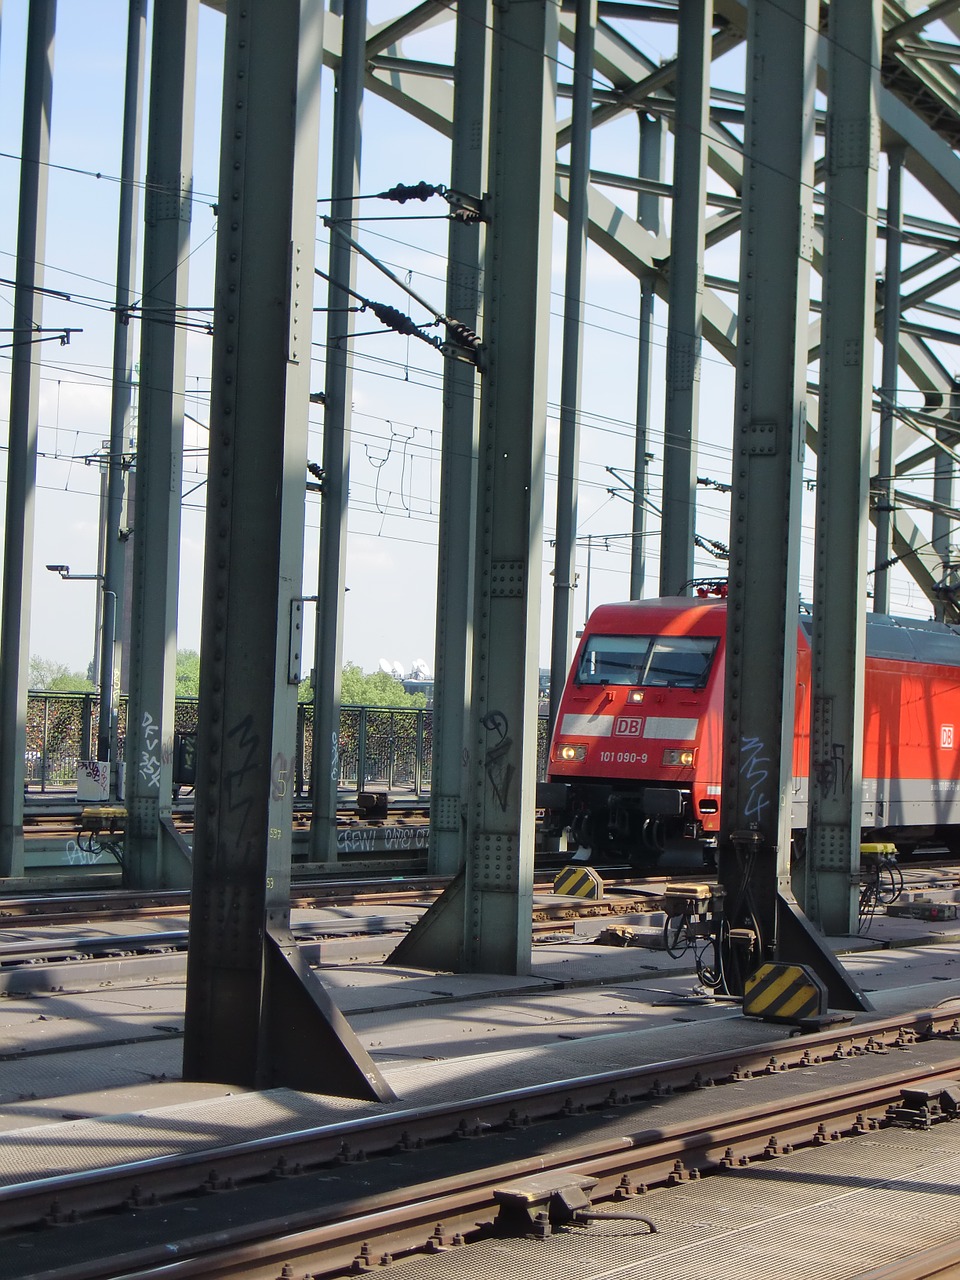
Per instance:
(675,662)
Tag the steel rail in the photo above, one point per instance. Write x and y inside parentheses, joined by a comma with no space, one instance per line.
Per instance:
(120,904)
(308,894)
(26,1202)
(334,1238)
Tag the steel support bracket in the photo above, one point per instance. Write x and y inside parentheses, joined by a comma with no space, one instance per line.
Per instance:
(307,1042)
(176,858)
(798,942)
(436,940)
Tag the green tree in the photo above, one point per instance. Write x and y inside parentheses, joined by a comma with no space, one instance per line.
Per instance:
(188,673)
(375,689)
(56,677)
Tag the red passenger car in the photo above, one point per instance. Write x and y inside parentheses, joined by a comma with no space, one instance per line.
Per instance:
(635,763)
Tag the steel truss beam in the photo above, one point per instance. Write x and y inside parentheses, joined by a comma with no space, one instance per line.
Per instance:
(453,653)
(154,857)
(483,922)
(846,363)
(256,1015)
(24,424)
(761,656)
(928,158)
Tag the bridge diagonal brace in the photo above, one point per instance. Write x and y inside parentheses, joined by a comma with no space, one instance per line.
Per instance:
(436,940)
(176,859)
(307,1042)
(798,942)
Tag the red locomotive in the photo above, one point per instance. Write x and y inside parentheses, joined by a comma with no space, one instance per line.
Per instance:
(635,760)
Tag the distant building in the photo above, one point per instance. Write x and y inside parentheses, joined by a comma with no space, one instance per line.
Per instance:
(412,685)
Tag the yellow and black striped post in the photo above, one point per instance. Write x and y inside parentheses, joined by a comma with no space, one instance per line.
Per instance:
(578,882)
(784,993)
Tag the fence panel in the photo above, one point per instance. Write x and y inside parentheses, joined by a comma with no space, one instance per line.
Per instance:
(60,730)
(386,747)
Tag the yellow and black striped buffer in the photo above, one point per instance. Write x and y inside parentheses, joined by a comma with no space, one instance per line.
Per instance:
(784,993)
(578,882)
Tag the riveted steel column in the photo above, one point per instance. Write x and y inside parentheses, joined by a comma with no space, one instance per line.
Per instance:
(649,216)
(685,296)
(846,405)
(24,410)
(503,737)
(458,461)
(943,478)
(483,921)
(255,1014)
(328,655)
(888,377)
(151,861)
(568,460)
(769,435)
(763,602)
(122,394)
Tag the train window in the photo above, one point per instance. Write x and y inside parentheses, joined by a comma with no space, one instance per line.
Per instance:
(679,662)
(613,659)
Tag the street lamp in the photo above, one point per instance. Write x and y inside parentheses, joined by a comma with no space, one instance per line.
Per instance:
(106,723)
(64,572)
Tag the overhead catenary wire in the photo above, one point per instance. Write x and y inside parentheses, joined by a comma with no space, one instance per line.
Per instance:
(626,424)
(462,337)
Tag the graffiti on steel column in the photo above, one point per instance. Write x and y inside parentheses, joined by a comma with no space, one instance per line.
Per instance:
(753,769)
(237,780)
(81,857)
(334,757)
(150,755)
(279,775)
(496,760)
(833,775)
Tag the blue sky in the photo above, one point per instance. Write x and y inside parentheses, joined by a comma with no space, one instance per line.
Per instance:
(396,427)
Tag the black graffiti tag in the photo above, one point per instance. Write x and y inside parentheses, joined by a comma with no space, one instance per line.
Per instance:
(239,793)
(496,762)
(833,775)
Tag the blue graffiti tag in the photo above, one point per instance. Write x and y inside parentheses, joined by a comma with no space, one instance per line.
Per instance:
(753,770)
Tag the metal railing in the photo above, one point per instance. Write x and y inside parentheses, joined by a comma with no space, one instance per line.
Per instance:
(382,748)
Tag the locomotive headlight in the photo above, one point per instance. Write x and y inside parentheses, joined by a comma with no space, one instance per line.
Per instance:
(570,751)
(674,756)
(635,695)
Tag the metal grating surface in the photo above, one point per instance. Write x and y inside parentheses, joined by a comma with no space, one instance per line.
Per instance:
(820,1214)
(455,1075)
(30,1153)
(47,1150)
(62,1075)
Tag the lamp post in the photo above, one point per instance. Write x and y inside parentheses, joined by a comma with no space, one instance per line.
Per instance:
(107,640)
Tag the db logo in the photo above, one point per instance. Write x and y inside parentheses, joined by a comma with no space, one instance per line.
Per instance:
(628,726)
(946,735)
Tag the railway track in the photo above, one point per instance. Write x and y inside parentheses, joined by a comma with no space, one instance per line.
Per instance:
(339,1198)
(79,950)
(121,904)
(62,823)
(342,889)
